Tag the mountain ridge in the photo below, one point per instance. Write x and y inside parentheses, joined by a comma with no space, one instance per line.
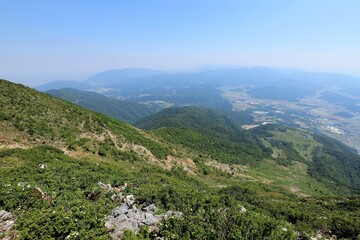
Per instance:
(61,166)
(121,110)
(192,127)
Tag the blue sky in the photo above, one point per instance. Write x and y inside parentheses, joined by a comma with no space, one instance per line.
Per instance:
(72,39)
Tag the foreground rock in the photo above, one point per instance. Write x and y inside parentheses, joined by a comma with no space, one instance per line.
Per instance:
(7,222)
(129,217)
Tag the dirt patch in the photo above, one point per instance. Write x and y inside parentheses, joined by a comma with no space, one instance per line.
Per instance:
(296,190)
(186,163)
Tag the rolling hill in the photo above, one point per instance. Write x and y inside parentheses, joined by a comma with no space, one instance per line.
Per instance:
(65,171)
(214,133)
(208,131)
(122,110)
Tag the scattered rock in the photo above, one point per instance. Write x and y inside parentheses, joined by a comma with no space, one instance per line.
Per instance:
(129,200)
(120,188)
(7,222)
(129,217)
(106,187)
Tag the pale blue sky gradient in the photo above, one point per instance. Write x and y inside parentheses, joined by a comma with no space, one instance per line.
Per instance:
(72,39)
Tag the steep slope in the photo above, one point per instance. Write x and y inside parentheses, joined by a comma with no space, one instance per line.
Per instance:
(121,110)
(64,170)
(30,118)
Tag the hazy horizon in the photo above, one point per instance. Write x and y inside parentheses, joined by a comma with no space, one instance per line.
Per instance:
(44,41)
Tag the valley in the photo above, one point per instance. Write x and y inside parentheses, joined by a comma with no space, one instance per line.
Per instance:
(62,165)
(310,113)
(179,120)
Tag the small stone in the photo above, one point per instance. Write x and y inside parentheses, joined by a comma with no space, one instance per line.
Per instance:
(243,209)
(106,187)
(42,166)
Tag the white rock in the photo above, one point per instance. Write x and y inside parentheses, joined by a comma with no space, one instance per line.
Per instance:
(243,209)
(42,166)
(129,217)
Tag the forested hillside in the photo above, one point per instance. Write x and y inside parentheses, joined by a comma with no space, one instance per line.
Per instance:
(65,170)
(216,134)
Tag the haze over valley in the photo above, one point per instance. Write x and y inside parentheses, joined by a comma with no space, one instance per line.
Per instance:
(157,120)
(327,103)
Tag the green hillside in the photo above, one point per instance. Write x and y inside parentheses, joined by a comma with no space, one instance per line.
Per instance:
(33,118)
(190,117)
(328,160)
(218,136)
(54,155)
(122,110)
(208,131)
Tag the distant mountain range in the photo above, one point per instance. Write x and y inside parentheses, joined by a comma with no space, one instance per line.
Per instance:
(120,76)
(134,83)
(64,84)
(321,102)
(65,171)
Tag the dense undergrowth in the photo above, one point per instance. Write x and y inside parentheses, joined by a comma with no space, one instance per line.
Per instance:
(209,213)
(212,201)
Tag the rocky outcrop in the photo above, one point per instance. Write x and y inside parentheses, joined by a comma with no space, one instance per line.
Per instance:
(44,196)
(7,221)
(130,217)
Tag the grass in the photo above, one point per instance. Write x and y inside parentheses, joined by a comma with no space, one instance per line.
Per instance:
(303,142)
(293,178)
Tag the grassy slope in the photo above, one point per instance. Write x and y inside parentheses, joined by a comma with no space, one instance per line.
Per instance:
(211,203)
(36,118)
(207,131)
(217,136)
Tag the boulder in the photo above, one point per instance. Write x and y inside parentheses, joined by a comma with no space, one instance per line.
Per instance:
(44,196)
(7,221)
(129,217)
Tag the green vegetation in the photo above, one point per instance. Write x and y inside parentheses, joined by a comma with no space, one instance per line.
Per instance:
(302,142)
(328,160)
(47,120)
(191,117)
(335,163)
(79,205)
(293,178)
(207,131)
(217,136)
(65,151)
